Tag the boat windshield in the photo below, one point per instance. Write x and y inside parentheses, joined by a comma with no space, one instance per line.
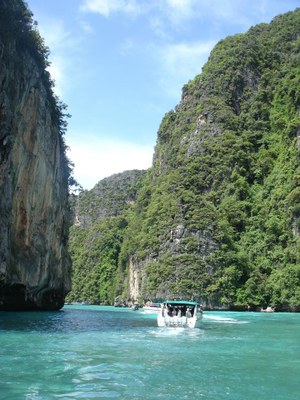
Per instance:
(179,308)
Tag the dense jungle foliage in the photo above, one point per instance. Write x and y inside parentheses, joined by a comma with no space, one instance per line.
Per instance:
(100,221)
(217,218)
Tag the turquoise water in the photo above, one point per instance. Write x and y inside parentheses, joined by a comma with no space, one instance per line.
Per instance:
(90,352)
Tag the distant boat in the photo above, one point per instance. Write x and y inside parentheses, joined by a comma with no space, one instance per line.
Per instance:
(268,309)
(135,307)
(152,308)
(185,314)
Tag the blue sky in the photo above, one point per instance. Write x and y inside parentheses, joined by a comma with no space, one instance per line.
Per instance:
(120,65)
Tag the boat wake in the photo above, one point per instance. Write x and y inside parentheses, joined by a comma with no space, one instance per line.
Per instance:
(226,320)
(171,332)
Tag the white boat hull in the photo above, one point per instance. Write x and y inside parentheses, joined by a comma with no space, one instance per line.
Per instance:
(178,322)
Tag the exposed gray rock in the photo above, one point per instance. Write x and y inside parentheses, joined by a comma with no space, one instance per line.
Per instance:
(34,263)
(109,197)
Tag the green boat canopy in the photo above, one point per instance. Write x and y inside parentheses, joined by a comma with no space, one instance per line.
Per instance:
(181,303)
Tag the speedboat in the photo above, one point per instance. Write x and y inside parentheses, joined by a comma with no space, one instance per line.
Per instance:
(180,314)
(268,309)
(135,306)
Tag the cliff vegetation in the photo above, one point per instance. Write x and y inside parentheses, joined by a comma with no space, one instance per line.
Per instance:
(217,218)
(96,237)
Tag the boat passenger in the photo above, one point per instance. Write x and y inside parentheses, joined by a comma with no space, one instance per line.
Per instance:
(165,311)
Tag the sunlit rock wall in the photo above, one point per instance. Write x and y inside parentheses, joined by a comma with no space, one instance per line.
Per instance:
(34,263)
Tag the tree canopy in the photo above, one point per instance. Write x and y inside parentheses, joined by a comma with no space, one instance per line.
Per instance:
(217,217)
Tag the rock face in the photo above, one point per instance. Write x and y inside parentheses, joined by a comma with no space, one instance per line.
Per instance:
(34,263)
(96,238)
(109,197)
(218,216)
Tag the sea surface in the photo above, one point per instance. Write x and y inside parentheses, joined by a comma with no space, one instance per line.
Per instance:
(93,352)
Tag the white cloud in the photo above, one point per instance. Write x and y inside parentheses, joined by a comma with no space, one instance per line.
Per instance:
(107,7)
(235,12)
(159,28)
(86,26)
(181,62)
(97,158)
(54,32)
(179,10)
(58,40)
(57,71)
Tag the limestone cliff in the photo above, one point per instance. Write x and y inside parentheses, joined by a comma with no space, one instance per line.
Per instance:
(34,263)
(97,235)
(218,216)
(109,197)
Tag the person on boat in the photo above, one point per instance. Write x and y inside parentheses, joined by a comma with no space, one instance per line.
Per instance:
(165,311)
